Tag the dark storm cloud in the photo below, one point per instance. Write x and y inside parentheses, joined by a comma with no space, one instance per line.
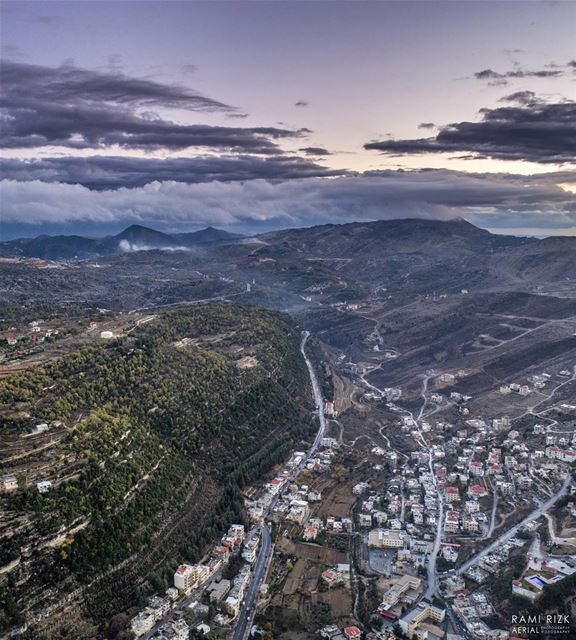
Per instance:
(101,172)
(70,84)
(78,108)
(531,130)
(315,151)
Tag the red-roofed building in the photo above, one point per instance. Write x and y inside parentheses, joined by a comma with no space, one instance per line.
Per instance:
(494,456)
(332,577)
(452,494)
(451,521)
(476,468)
(477,490)
(310,533)
(352,633)
(275,485)
(221,552)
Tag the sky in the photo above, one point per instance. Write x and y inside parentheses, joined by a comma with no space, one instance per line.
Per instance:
(253,116)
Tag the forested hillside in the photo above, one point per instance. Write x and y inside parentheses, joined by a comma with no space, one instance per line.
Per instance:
(150,439)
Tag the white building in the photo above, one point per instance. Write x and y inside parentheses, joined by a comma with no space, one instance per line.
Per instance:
(451,521)
(386,538)
(44,486)
(9,483)
(187,576)
(143,622)
(40,428)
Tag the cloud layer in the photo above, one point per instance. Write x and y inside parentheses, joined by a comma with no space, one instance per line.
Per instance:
(528,130)
(239,176)
(506,199)
(111,172)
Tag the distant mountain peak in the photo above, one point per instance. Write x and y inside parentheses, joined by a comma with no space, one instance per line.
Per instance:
(138,227)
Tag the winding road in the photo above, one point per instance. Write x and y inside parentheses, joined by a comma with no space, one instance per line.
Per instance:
(248,608)
(537,513)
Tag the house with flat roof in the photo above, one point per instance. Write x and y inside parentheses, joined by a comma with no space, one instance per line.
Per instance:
(387,538)
(9,483)
(410,623)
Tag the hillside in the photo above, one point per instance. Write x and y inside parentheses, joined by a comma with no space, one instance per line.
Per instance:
(330,263)
(150,439)
(418,256)
(362,239)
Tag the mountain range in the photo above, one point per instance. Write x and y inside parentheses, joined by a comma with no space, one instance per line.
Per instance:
(133,238)
(414,255)
(356,239)
(408,255)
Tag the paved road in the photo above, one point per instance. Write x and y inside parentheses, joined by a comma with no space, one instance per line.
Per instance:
(530,410)
(246,614)
(432,576)
(512,532)
(492,524)
(183,303)
(247,610)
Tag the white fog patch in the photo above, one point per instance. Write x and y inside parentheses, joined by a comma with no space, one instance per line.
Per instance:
(129,247)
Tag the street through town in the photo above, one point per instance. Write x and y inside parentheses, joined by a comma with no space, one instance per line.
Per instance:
(248,608)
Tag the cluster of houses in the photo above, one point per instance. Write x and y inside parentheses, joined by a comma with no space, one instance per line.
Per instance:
(463,467)
(35,333)
(409,507)
(190,577)
(231,605)
(286,500)
(476,469)
(158,607)
(9,483)
(470,609)
(332,632)
(331,524)
(492,563)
